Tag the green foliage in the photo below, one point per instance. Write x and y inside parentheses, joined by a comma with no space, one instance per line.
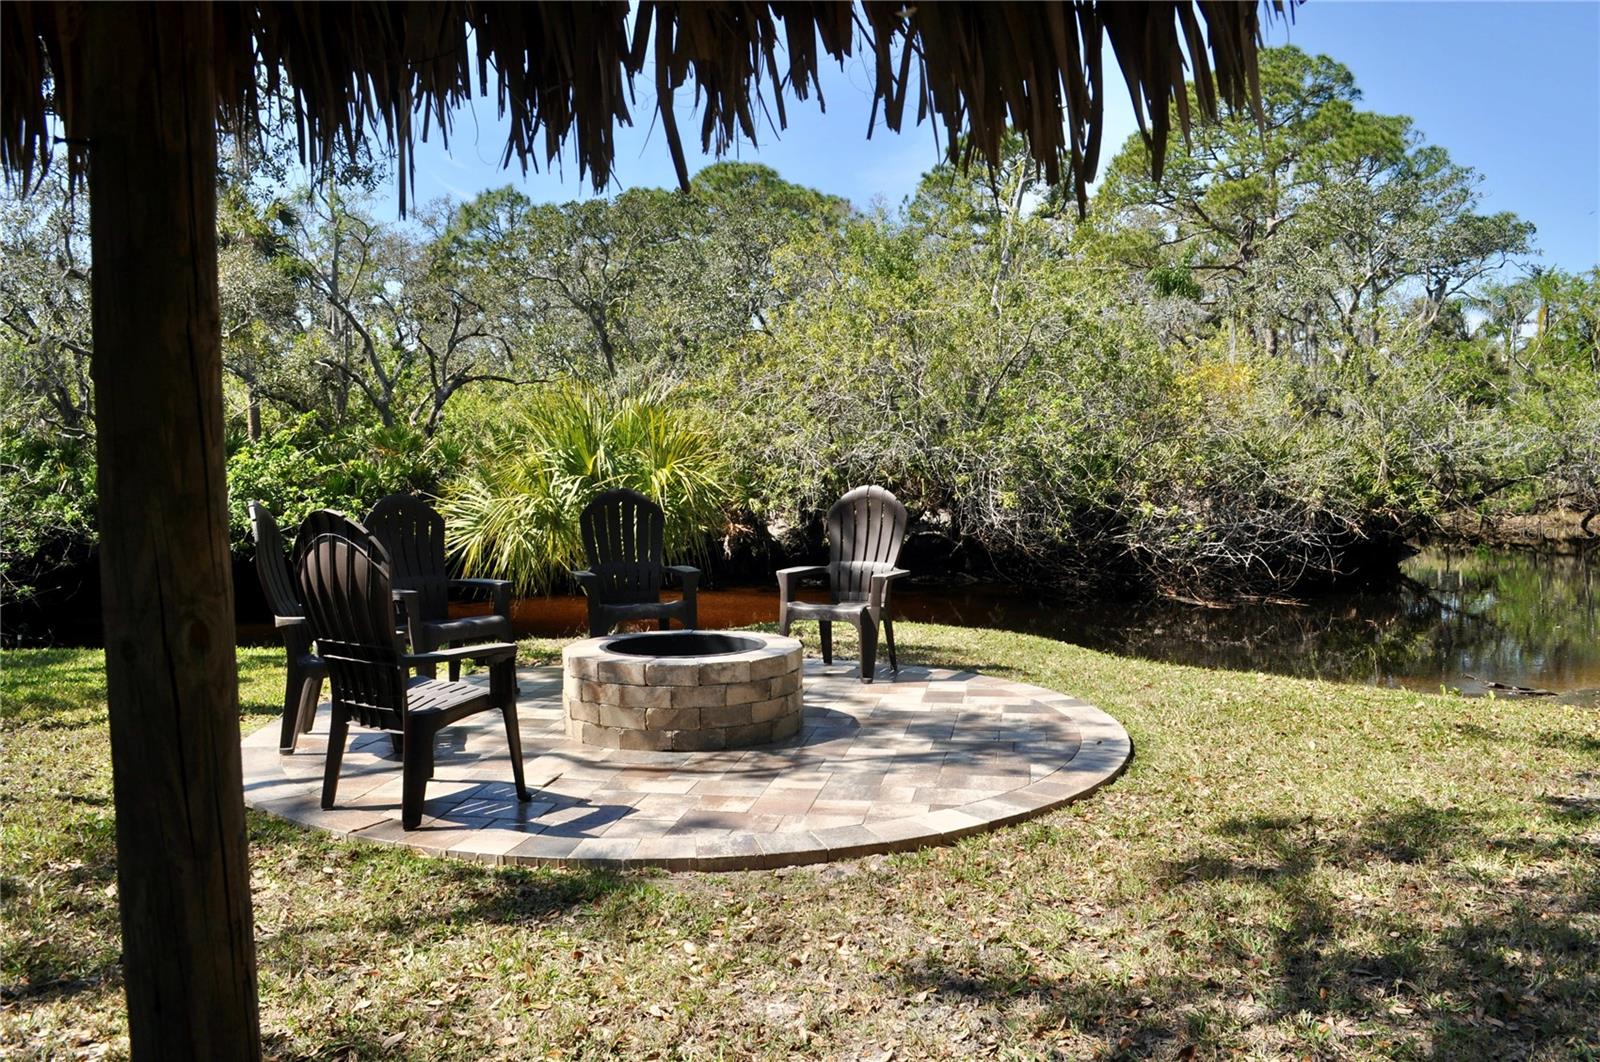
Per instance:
(298,469)
(513,514)
(47,502)
(974,353)
(45,343)
(1303,343)
(1324,229)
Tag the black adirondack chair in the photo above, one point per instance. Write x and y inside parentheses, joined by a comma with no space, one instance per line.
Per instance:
(866,528)
(412,532)
(623,534)
(350,604)
(303,683)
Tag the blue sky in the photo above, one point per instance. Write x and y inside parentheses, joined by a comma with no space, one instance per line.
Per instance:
(1510,89)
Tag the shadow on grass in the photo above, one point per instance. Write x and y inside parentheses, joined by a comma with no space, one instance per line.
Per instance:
(1429,976)
(1501,981)
(61,956)
(56,965)
(52,689)
(1571,742)
(416,896)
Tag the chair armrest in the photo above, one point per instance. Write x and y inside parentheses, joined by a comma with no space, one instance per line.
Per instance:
(790,577)
(688,577)
(789,584)
(499,589)
(295,632)
(882,583)
(586,579)
(488,652)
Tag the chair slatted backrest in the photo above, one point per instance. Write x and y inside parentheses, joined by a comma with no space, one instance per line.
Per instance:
(412,531)
(344,583)
(272,563)
(624,537)
(866,528)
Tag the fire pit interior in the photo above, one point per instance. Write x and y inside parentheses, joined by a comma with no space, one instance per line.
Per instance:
(683,643)
(682,691)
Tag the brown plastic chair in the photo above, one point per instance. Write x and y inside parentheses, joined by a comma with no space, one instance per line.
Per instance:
(865,531)
(623,538)
(305,670)
(412,532)
(350,604)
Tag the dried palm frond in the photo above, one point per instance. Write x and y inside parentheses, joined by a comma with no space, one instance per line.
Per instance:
(565,71)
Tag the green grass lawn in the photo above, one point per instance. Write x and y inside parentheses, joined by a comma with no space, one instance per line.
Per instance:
(1288,868)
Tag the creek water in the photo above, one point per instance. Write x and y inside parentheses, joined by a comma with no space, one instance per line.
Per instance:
(1450,618)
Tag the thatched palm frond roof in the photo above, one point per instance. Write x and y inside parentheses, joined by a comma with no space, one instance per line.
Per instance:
(565,71)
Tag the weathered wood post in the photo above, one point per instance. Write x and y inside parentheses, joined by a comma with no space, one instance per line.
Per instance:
(188,947)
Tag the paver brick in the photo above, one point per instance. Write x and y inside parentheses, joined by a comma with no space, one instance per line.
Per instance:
(595,734)
(672,673)
(698,740)
(645,740)
(620,671)
(765,711)
(618,717)
(770,667)
(727,716)
(880,768)
(785,684)
(785,727)
(725,671)
(672,719)
(750,734)
(699,696)
(640,696)
(748,692)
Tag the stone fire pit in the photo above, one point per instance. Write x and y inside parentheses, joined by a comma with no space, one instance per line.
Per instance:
(684,691)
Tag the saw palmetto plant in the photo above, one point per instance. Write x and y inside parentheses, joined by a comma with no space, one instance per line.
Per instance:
(514,514)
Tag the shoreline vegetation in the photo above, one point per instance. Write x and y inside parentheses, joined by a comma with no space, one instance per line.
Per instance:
(1560,531)
(1287,868)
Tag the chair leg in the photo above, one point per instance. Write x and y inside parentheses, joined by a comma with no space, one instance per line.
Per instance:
(825,628)
(415,771)
(783,622)
(888,637)
(691,612)
(292,695)
(455,671)
(338,730)
(397,743)
(868,628)
(514,741)
(310,694)
(664,623)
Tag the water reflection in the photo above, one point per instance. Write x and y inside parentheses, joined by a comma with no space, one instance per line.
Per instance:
(1452,618)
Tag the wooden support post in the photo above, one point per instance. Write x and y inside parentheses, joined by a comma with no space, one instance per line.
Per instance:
(182,871)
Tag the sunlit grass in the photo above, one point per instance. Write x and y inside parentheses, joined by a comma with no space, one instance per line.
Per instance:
(1289,868)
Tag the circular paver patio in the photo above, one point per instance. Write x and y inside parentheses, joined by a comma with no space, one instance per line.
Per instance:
(926,759)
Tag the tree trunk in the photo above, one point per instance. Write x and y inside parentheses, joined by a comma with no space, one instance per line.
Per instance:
(183,877)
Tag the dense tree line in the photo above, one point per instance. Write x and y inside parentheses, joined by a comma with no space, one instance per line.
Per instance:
(1303,345)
